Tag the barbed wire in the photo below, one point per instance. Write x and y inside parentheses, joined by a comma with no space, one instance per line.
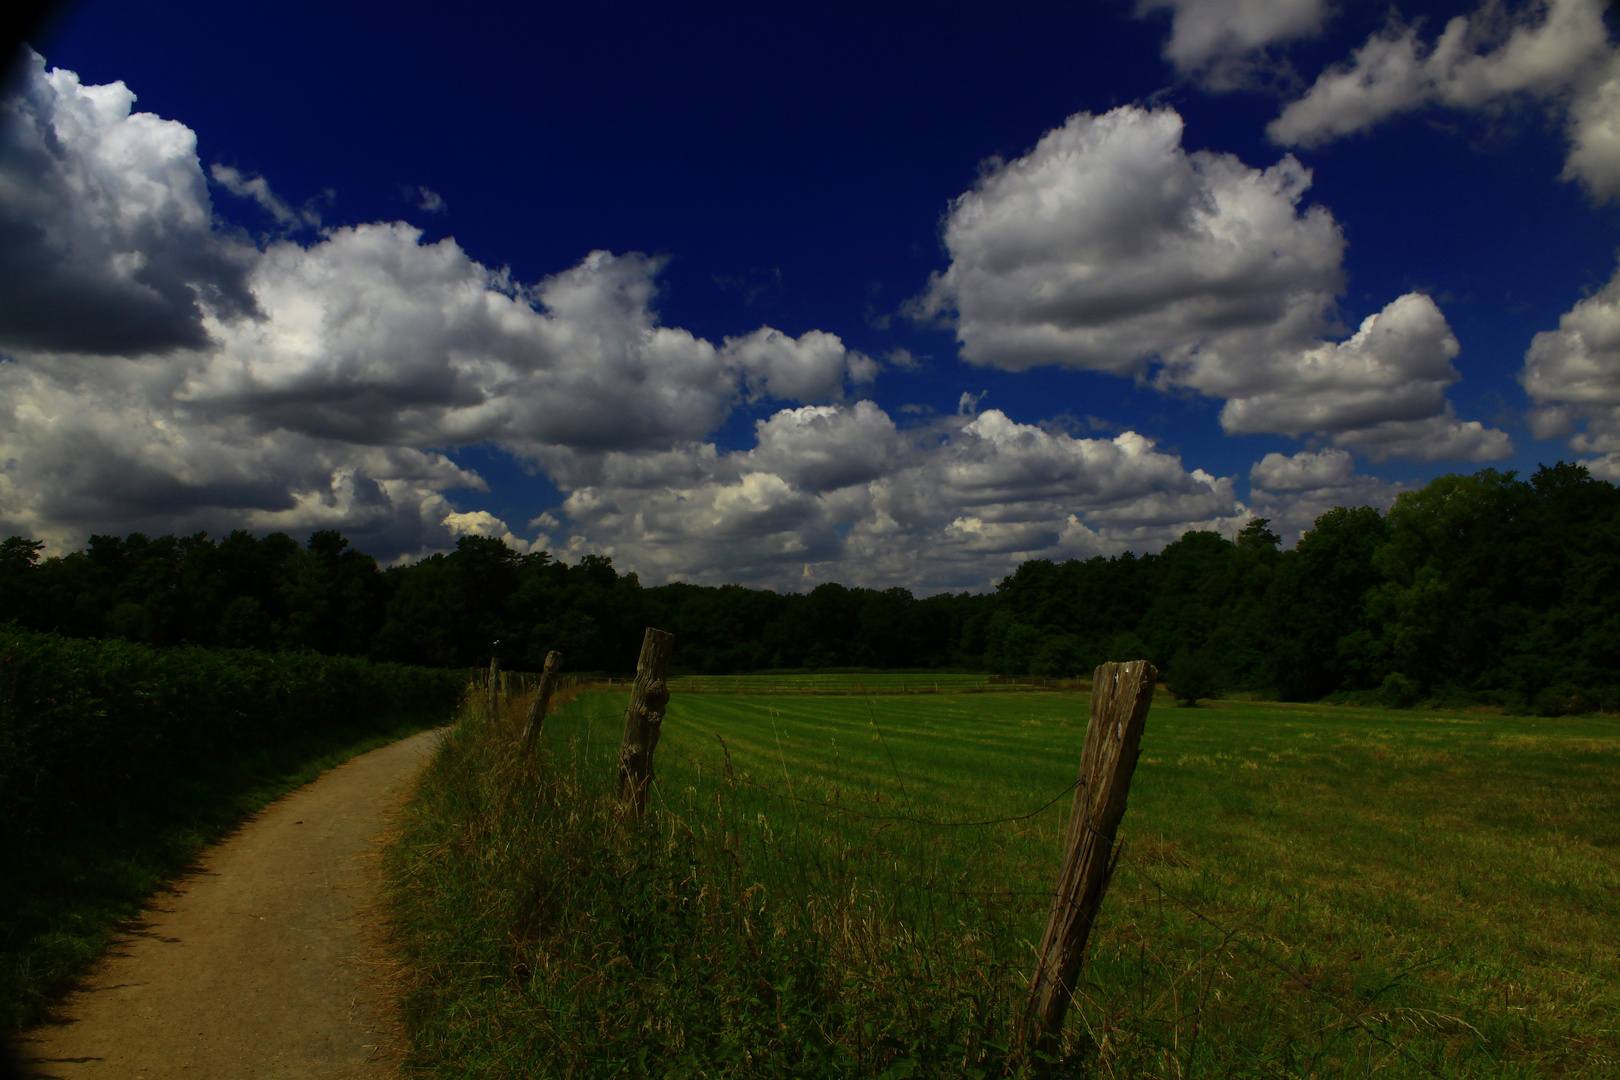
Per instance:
(1119,851)
(1261,954)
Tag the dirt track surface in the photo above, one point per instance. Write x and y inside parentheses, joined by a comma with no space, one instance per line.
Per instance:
(261,963)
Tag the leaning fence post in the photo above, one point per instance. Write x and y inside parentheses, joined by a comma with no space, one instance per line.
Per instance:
(643,719)
(1120,696)
(542,701)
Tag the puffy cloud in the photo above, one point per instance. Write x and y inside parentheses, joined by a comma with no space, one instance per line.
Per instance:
(1304,471)
(837,493)
(106,211)
(1432,438)
(1108,247)
(1222,42)
(1293,491)
(313,383)
(1558,52)
(484,523)
(1109,244)
(813,365)
(997,463)
(1573,374)
(1395,367)
(822,447)
(372,336)
(1606,467)
(98,445)
(296,385)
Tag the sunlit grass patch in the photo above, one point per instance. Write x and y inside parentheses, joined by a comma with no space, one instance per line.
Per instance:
(1305,891)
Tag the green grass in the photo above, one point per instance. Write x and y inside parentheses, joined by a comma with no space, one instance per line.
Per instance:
(863,683)
(1306,891)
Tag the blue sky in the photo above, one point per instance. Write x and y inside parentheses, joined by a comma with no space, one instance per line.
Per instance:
(790,294)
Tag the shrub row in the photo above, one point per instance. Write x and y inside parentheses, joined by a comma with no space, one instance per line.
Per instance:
(109,727)
(119,762)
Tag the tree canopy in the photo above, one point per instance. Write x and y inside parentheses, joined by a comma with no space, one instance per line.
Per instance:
(1478,585)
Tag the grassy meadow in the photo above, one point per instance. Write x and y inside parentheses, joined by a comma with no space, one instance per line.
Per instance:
(1305,891)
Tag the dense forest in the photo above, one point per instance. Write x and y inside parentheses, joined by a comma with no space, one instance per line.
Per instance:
(1482,587)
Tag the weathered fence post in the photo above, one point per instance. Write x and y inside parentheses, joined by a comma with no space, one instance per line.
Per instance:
(643,719)
(494,688)
(541,702)
(1120,696)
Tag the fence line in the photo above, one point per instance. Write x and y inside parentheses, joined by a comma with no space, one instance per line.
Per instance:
(1123,853)
(1120,852)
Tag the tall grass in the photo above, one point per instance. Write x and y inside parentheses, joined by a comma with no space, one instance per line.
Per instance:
(1304,892)
(552,936)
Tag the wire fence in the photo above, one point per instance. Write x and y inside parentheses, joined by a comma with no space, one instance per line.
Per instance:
(807,684)
(1353,1014)
(1359,1014)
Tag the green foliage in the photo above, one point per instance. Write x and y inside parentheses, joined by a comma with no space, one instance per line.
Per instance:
(1399,692)
(118,760)
(1563,700)
(1485,587)
(1193,676)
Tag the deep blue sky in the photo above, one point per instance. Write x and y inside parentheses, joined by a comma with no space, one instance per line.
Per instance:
(795,163)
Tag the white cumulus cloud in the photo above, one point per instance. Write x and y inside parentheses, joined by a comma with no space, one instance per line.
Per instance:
(105,210)
(1292,491)
(1555,52)
(165,369)
(1396,366)
(835,492)
(93,444)
(325,381)
(1109,247)
(1573,375)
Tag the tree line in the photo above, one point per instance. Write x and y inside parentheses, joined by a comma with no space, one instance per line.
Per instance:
(1474,587)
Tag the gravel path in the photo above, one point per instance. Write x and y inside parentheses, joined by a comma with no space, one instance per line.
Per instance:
(262,962)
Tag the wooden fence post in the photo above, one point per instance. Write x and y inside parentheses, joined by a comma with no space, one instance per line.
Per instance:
(541,702)
(494,688)
(643,719)
(1120,696)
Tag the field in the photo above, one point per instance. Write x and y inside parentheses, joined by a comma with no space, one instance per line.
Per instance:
(1305,891)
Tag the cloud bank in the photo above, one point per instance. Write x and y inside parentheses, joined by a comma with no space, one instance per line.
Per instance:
(169,372)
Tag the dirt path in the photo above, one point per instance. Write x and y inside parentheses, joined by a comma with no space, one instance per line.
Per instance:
(259,964)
